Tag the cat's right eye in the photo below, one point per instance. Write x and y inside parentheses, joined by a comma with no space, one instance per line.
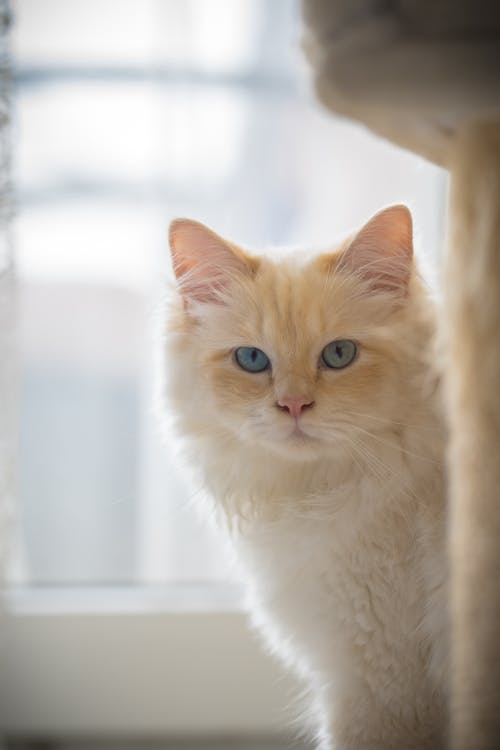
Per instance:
(252,359)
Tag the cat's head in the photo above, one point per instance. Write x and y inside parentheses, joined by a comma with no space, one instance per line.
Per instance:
(296,356)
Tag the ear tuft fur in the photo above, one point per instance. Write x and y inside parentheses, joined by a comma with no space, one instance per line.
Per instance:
(381,252)
(204,263)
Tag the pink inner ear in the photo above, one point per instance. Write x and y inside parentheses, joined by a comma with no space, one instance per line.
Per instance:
(204,263)
(381,253)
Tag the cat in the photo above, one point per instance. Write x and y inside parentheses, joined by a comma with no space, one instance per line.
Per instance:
(306,392)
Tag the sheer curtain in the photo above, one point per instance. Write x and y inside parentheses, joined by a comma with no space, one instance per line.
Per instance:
(7,302)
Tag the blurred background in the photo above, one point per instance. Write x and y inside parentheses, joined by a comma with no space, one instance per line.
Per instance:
(125,620)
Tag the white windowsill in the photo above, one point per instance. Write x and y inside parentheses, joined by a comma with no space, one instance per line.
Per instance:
(152,661)
(133,599)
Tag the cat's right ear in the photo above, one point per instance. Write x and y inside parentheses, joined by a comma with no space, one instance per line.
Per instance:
(204,263)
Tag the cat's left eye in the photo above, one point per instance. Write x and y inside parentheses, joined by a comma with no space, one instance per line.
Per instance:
(252,359)
(339,353)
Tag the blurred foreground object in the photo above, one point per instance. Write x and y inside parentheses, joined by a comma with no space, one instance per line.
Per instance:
(6,292)
(426,75)
(412,71)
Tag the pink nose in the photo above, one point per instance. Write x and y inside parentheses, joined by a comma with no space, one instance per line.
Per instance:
(295,405)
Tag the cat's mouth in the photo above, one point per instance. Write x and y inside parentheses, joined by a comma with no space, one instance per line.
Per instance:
(298,444)
(298,435)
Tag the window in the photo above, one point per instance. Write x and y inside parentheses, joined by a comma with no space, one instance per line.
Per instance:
(128,114)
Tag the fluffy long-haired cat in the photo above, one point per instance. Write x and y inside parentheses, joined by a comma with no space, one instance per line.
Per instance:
(305,390)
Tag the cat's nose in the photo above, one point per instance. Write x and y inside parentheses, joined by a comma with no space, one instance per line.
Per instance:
(295,406)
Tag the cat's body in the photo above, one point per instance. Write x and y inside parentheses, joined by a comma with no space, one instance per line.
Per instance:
(331,476)
(343,605)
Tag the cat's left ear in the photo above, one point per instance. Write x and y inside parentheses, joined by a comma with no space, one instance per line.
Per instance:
(381,252)
(204,263)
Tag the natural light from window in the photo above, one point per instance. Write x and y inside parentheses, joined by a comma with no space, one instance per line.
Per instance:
(128,114)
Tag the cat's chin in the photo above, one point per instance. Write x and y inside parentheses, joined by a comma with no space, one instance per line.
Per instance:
(298,447)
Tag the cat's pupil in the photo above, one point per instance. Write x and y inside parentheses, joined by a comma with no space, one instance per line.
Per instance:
(251,359)
(340,353)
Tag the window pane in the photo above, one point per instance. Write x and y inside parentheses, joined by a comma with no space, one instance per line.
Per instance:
(130,113)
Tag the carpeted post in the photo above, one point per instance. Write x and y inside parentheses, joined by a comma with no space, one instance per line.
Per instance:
(472,288)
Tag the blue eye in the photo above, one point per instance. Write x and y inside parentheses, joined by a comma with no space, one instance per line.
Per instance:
(340,353)
(251,359)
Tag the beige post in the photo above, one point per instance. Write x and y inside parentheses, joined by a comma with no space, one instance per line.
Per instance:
(473,391)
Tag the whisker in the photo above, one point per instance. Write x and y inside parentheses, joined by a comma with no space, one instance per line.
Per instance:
(398,447)
(371,461)
(377,465)
(384,420)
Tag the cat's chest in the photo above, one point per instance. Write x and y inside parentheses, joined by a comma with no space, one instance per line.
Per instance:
(334,550)
(352,573)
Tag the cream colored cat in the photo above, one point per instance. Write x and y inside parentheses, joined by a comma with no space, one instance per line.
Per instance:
(306,392)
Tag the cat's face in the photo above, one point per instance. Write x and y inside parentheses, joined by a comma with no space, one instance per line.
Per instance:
(295,357)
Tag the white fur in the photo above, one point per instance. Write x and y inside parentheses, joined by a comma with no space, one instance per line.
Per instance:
(343,550)
(346,584)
